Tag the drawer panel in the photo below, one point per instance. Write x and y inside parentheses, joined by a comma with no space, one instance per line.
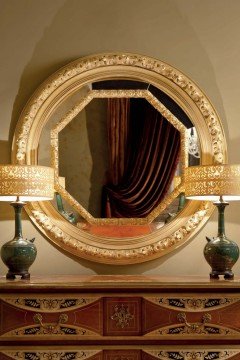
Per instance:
(196,316)
(37,353)
(151,317)
(118,353)
(50,316)
(197,353)
(122,316)
(129,354)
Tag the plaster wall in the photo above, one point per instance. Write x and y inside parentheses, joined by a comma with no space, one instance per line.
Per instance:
(199,37)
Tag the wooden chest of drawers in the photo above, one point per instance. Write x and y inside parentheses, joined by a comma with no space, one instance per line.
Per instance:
(119,318)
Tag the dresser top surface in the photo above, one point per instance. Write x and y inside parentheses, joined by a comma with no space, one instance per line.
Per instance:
(145,282)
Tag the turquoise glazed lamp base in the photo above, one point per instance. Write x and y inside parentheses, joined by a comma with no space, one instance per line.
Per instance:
(18,254)
(220,252)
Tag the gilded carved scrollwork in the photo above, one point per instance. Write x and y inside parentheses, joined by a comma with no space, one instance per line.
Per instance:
(138,254)
(105,60)
(73,77)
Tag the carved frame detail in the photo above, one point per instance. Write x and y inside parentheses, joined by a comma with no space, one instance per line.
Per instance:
(70,115)
(75,241)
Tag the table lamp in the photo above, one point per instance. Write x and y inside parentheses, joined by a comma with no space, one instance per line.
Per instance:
(220,184)
(18,184)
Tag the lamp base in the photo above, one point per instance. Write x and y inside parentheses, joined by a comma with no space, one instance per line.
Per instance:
(228,274)
(12,275)
(18,255)
(221,254)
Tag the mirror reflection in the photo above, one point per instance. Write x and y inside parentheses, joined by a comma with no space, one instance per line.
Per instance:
(125,157)
(119,157)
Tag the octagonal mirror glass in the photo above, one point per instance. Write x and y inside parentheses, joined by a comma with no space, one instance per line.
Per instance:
(81,157)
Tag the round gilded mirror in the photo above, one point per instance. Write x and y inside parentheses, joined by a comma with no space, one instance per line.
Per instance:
(119,130)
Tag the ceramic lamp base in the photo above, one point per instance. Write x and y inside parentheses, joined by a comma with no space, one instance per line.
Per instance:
(12,275)
(18,255)
(221,254)
(228,274)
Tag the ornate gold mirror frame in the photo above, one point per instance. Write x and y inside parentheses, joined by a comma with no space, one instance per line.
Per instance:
(64,84)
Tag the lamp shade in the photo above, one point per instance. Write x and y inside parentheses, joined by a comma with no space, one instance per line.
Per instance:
(28,182)
(209,182)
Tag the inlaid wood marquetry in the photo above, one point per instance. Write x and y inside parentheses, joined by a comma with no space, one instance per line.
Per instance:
(49,303)
(180,316)
(50,329)
(122,316)
(119,318)
(48,316)
(194,329)
(130,354)
(50,355)
(122,354)
(193,354)
(193,303)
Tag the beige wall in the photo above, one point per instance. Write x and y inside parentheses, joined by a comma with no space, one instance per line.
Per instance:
(200,37)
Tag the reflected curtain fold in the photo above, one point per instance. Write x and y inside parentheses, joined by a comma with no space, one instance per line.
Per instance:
(144,151)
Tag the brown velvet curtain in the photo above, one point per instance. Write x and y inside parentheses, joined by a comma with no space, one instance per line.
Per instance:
(144,151)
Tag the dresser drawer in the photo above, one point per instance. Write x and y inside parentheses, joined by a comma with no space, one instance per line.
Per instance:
(191,353)
(44,316)
(121,353)
(191,315)
(122,316)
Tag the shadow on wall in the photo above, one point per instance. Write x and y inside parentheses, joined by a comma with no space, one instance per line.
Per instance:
(5,152)
(149,267)
(80,28)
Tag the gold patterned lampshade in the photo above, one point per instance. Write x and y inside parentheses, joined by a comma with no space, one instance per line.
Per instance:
(28,182)
(218,183)
(209,182)
(20,183)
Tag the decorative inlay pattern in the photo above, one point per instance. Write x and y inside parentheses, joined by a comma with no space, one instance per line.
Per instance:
(192,304)
(50,354)
(122,316)
(49,304)
(193,354)
(50,330)
(196,329)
